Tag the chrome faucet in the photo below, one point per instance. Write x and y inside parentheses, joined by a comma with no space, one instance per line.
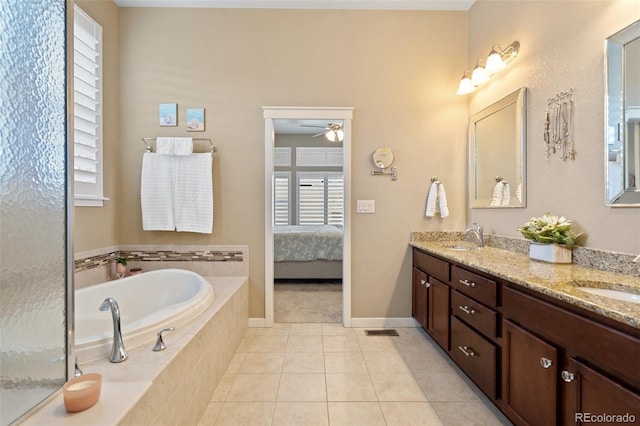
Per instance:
(478,232)
(118,352)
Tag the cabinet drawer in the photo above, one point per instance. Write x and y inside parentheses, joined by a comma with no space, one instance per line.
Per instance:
(475,314)
(476,356)
(431,265)
(474,285)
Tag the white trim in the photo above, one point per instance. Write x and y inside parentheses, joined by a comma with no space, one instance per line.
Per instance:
(384,322)
(272,113)
(256,323)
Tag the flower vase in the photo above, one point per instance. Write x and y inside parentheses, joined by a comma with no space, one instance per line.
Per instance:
(120,270)
(552,253)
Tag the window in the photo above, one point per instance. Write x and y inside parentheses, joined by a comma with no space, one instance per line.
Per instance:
(87,110)
(320,198)
(282,190)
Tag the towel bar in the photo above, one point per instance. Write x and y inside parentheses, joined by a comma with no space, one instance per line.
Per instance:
(150,148)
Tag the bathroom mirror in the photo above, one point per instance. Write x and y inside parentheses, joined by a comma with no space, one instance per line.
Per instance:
(382,157)
(622,118)
(497,147)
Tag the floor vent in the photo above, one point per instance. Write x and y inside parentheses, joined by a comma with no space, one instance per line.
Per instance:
(390,332)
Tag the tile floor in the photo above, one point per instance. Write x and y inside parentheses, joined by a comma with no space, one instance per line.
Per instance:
(305,374)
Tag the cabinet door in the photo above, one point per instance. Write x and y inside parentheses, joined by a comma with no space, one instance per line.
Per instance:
(420,297)
(530,377)
(587,394)
(438,312)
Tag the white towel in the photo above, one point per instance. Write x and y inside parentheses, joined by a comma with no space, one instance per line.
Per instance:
(506,194)
(496,198)
(442,201)
(519,192)
(432,200)
(194,193)
(156,192)
(165,146)
(183,146)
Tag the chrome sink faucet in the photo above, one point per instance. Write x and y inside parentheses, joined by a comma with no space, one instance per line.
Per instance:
(476,230)
(118,352)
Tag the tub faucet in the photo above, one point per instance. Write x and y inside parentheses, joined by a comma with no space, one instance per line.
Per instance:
(478,232)
(118,352)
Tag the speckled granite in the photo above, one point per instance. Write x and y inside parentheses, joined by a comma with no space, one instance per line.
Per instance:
(559,281)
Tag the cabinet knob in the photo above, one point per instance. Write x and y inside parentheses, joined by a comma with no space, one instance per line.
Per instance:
(467,283)
(466,310)
(567,376)
(466,350)
(545,362)
(423,282)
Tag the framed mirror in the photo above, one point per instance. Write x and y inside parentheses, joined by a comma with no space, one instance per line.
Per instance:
(497,154)
(622,118)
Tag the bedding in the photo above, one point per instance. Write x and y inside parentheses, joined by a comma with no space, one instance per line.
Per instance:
(306,243)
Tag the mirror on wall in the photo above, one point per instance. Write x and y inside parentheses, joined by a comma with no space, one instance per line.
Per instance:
(622,117)
(497,147)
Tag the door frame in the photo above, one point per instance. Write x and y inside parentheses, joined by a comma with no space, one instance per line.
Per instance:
(272,113)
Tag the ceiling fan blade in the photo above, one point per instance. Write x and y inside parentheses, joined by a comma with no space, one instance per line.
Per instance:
(312,125)
(319,134)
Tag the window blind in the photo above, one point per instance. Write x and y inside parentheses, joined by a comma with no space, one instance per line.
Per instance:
(282,197)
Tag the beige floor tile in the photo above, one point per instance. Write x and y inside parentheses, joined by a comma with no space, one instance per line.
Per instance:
(409,413)
(277,329)
(336,329)
(257,362)
(427,363)
(355,414)
(305,329)
(254,387)
(224,385)
(246,414)
(350,387)
(302,387)
(412,332)
(385,362)
(445,387)
(301,413)
(377,344)
(275,343)
(236,362)
(397,387)
(341,344)
(468,413)
(345,362)
(304,344)
(303,362)
(210,414)
(244,344)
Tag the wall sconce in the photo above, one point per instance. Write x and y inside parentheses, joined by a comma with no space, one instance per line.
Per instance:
(496,61)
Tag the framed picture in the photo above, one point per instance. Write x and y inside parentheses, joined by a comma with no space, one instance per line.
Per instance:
(195,119)
(168,114)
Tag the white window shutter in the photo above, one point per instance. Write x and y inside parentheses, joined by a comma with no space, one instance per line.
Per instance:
(282,191)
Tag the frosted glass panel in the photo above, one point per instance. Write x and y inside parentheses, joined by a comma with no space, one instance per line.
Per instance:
(32,203)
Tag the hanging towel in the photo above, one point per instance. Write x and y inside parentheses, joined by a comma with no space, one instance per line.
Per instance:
(183,146)
(519,192)
(194,193)
(432,200)
(165,146)
(496,198)
(442,201)
(506,194)
(156,192)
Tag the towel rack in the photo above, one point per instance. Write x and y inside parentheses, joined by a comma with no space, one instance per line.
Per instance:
(150,148)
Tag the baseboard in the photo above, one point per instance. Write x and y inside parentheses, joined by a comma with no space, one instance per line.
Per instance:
(257,322)
(384,322)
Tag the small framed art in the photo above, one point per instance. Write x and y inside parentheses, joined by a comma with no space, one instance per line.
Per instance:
(195,119)
(168,114)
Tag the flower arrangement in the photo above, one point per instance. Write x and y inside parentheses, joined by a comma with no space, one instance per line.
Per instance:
(550,229)
(121,260)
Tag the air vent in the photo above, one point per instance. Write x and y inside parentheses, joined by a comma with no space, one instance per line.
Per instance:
(390,332)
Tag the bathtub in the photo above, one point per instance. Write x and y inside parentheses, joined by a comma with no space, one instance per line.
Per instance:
(148,302)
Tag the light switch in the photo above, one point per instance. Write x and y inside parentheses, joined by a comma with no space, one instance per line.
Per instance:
(365,206)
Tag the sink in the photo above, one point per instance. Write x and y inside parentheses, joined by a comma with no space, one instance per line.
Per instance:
(457,247)
(613,294)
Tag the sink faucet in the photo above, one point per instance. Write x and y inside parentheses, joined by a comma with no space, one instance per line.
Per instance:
(118,352)
(478,232)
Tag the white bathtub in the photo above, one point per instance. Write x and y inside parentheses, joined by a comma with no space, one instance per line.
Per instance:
(148,302)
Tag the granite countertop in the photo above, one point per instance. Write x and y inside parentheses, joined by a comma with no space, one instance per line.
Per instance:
(560,281)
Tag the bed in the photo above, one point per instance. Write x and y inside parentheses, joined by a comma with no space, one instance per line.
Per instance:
(307,252)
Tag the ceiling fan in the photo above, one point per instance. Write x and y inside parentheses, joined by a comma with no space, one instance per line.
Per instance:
(332,131)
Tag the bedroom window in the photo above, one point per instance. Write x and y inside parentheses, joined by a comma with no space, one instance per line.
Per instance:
(320,198)
(282,188)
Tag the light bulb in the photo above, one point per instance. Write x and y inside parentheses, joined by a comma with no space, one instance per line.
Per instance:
(479,75)
(494,63)
(466,86)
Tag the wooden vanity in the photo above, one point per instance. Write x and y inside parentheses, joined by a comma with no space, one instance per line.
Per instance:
(543,359)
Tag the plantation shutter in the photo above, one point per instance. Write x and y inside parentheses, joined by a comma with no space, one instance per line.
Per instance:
(282,198)
(311,201)
(335,199)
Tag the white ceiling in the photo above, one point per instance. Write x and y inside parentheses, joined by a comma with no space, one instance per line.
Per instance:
(306,4)
(301,127)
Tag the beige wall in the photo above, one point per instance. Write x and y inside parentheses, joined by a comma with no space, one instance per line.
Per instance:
(95,227)
(562,45)
(399,70)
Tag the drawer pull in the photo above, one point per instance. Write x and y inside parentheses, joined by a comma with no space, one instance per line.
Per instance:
(545,362)
(567,376)
(466,310)
(467,283)
(467,351)
(423,282)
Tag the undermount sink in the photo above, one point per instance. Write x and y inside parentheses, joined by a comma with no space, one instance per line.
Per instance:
(457,247)
(625,296)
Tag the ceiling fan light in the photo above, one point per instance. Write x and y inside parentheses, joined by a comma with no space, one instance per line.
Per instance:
(331,135)
(339,135)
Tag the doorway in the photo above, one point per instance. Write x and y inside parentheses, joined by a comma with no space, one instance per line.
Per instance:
(327,274)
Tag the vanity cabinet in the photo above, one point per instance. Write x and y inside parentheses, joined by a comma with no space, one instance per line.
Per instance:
(420,297)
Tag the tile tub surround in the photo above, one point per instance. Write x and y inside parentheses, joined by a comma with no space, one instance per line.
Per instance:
(169,387)
(560,281)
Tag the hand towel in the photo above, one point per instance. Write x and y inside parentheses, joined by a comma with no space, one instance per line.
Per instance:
(506,194)
(165,146)
(442,201)
(183,146)
(519,192)
(432,200)
(496,198)
(194,193)
(156,192)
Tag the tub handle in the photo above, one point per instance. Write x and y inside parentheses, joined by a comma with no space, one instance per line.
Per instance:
(160,346)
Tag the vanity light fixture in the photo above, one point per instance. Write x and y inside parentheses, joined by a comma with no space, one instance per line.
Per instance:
(497,61)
